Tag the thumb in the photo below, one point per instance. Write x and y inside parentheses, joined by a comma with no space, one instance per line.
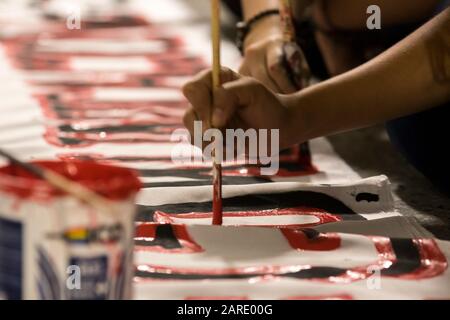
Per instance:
(233,95)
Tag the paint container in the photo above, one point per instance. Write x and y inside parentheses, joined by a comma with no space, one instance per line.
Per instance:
(52,246)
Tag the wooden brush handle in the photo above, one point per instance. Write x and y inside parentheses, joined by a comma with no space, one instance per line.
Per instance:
(78,191)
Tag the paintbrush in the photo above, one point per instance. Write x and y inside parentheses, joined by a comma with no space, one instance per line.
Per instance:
(216,82)
(64,184)
(287,23)
(295,61)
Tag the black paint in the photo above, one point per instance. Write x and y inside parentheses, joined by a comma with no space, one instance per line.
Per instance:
(258,202)
(407,253)
(164,237)
(368,197)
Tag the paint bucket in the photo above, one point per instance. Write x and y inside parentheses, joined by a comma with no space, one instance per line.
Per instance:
(53,246)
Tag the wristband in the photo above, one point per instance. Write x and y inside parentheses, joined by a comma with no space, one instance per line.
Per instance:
(244,28)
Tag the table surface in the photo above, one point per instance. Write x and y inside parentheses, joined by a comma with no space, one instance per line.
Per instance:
(414,195)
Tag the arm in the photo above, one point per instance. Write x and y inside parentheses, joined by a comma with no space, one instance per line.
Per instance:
(263,47)
(265,28)
(269,26)
(251,7)
(410,77)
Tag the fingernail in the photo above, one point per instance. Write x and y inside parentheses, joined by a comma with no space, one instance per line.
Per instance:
(218,117)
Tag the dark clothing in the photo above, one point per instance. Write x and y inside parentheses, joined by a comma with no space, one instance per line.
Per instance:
(424,139)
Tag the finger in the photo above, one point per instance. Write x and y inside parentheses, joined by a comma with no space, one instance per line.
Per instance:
(277,71)
(227,75)
(224,107)
(205,77)
(244,70)
(255,66)
(198,92)
(189,121)
(262,75)
(235,94)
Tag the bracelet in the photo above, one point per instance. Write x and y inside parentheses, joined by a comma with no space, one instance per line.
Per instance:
(244,28)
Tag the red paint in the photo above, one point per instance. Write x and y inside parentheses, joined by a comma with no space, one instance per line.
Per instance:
(76,95)
(114,183)
(167,64)
(323,242)
(26,54)
(76,109)
(434,262)
(53,137)
(145,230)
(321,214)
(217,196)
(251,270)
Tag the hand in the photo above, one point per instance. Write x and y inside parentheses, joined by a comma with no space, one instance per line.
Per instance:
(241,103)
(264,57)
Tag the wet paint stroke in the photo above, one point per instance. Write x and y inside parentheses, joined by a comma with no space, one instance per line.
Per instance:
(288,217)
(289,209)
(405,259)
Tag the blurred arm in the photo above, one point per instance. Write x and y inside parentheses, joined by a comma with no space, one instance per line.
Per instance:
(411,77)
(352,15)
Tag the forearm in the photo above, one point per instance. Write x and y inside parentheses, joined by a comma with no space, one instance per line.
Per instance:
(270,26)
(410,77)
(251,7)
(265,28)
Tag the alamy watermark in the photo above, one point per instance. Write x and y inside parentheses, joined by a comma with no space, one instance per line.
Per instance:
(374,20)
(73,20)
(73,281)
(258,147)
(373,282)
